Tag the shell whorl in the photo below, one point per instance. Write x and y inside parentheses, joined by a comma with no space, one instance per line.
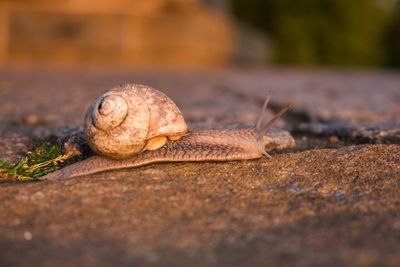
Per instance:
(110,112)
(119,123)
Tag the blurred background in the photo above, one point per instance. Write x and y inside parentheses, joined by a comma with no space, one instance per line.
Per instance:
(200,33)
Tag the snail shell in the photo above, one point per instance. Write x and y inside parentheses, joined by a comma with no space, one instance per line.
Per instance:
(122,121)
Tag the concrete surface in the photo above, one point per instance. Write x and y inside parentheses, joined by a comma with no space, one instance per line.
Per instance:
(331,201)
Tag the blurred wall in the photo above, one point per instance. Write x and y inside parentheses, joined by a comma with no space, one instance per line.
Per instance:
(148,33)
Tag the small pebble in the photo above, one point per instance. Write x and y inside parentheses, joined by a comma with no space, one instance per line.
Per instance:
(32,120)
(340,197)
(334,139)
(27,236)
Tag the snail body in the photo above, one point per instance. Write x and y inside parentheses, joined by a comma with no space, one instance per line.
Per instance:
(167,138)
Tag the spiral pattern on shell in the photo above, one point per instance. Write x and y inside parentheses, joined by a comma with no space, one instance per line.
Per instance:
(119,123)
(110,112)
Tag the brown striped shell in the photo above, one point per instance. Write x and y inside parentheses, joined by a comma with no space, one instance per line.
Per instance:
(119,123)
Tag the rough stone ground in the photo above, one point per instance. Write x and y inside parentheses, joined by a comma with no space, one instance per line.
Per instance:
(333,200)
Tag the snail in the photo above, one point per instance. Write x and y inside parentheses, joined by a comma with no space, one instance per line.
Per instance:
(134,125)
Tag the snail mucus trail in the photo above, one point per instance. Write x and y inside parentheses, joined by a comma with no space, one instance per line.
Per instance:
(134,125)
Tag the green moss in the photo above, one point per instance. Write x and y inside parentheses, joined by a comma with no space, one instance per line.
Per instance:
(42,160)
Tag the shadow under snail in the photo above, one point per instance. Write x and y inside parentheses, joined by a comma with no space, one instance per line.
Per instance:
(133,125)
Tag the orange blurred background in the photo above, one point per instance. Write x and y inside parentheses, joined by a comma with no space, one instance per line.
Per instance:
(140,34)
(200,33)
